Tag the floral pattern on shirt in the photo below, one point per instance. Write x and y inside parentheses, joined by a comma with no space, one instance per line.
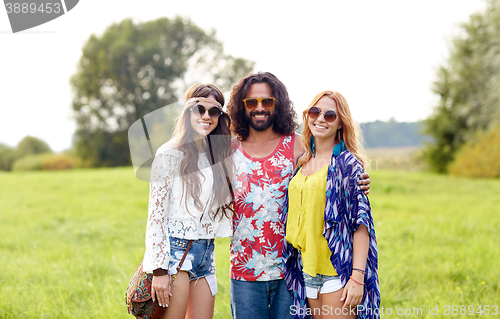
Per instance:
(259,187)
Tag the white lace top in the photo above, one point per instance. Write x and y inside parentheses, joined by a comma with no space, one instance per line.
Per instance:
(167,214)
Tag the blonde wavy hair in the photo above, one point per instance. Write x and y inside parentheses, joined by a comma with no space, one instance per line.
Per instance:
(350,131)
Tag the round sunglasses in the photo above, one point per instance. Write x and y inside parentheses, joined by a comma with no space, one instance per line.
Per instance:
(199,110)
(329,115)
(267,102)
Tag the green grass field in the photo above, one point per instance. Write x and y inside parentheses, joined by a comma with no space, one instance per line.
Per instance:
(70,241)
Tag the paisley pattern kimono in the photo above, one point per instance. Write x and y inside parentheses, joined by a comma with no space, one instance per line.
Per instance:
(346,209)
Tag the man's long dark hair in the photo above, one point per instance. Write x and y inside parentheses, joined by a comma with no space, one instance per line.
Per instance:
(217,148)
(285,117)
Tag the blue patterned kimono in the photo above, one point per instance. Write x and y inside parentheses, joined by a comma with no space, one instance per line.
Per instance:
(346,208)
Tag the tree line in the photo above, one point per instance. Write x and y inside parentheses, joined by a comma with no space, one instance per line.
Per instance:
(32,153)
(393,134)
(133,69)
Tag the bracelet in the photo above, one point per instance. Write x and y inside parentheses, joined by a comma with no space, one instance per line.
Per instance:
(359,283)
(360,270)
(160,272)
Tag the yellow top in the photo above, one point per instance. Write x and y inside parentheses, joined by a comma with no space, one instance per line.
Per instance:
(305,223)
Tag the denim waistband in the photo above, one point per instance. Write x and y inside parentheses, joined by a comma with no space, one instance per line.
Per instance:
(201,240)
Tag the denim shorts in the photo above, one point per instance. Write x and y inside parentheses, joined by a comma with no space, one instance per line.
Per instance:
(199,261)
(321,283)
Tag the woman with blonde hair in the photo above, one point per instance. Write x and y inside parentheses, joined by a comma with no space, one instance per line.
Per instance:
(189,206)
(330,249)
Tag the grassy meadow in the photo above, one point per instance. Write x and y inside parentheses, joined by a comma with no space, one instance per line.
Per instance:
(70,241)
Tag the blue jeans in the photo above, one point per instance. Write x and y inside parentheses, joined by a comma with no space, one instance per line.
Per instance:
(260,299)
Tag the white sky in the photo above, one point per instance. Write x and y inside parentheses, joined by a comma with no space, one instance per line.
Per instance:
(381,55)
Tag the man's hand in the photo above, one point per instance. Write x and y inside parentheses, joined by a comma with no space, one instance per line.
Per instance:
(364,183)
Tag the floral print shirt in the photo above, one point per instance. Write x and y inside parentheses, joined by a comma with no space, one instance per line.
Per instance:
(259,191)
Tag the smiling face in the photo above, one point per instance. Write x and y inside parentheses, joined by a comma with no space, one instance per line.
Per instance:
(204,124)
(320,128)
(260,118)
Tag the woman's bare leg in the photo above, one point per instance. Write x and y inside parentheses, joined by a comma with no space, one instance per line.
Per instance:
(315,305)
(201,302)
(179,300)
(332,302)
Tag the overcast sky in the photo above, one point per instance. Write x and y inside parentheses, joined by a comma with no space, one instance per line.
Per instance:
(381,55)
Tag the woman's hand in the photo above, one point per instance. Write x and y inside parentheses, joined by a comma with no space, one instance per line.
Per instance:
(352,294)
(160,288)
(364,182)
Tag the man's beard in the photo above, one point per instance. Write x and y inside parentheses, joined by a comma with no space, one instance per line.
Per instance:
(260,125)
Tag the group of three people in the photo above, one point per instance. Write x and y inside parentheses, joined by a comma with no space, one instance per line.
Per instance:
(294,207)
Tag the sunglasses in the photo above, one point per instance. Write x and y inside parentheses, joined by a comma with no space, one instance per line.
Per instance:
(267,102)
(329,115)
(199,110)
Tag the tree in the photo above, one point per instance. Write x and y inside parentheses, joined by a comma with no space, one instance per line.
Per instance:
(468,88)
(7,157)
(31,145)
(133,69)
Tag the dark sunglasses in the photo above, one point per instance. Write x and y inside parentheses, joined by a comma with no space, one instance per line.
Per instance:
(329,115)
(199,110)
(267,102)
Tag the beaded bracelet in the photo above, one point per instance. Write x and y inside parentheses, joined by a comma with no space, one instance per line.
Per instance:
(359,283)
(360,270)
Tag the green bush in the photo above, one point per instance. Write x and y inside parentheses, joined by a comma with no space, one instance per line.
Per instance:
(479,159)
(60,161)
(32,162)
(46,161)
(7,157)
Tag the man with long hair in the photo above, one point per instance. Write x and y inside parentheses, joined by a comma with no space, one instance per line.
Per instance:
(265,151)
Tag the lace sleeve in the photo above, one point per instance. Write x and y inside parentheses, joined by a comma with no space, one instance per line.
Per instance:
(157,244)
